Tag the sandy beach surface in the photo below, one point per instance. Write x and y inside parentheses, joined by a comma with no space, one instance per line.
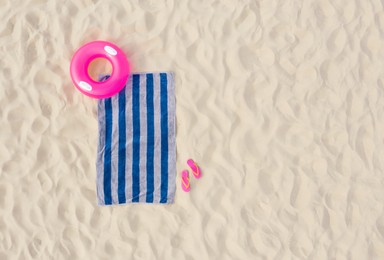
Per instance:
(280,102)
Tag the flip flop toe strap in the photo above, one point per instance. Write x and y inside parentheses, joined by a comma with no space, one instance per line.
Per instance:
(197,172)
(186,184)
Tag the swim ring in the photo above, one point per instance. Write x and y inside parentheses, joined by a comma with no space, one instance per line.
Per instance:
(85,55)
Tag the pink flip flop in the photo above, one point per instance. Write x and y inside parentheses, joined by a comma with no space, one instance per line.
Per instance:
(195,169)
(185,181)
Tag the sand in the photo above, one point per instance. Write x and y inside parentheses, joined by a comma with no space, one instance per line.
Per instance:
(281,103)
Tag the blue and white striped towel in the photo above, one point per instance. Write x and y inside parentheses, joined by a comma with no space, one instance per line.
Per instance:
(136,155)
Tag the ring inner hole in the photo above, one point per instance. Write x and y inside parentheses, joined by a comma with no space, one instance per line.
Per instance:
(99,67)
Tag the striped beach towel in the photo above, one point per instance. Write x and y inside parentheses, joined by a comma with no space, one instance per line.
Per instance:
(136,155)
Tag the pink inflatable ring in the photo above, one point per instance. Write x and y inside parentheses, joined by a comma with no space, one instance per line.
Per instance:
(99,49)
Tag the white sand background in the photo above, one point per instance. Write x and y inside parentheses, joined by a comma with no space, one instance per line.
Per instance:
(281,103)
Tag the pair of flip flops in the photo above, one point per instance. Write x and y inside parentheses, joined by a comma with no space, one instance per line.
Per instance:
(185,184)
